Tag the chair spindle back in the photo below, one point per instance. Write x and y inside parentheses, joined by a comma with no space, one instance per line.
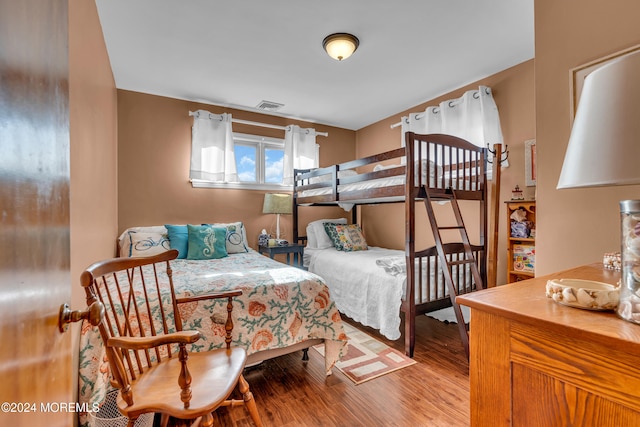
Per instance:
(139,300)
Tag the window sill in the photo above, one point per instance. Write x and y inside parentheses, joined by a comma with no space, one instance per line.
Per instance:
(198,183)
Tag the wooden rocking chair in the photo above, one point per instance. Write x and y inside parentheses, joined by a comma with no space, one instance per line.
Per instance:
(146,346)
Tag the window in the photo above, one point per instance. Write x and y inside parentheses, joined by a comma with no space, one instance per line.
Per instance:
(221,158)
(259,163)
(273,165)
(259,160)
(245,162)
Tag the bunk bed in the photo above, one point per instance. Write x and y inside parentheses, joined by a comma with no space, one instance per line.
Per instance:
(428,168)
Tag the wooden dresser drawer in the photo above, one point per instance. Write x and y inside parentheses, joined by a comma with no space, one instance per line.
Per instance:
(588,366)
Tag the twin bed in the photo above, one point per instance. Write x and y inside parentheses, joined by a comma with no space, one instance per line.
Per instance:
(374,287)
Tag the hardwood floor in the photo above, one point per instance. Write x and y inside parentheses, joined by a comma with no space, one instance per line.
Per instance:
(433,393)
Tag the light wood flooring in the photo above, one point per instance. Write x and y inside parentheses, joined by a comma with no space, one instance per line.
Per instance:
(432,393)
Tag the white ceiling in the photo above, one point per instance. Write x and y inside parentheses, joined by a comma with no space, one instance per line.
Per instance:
(237,53)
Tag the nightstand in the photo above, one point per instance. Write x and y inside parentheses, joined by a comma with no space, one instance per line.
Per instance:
(292,248)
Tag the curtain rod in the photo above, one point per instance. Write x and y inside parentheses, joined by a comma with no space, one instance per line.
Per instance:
(264,125)
(453,102)
(395,125)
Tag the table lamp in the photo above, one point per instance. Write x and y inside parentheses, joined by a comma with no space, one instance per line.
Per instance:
(277,204)
(604,149)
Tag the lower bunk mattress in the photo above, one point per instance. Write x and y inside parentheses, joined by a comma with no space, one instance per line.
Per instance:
(369,286)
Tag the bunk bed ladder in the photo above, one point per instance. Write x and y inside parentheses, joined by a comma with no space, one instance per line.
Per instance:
(469,259)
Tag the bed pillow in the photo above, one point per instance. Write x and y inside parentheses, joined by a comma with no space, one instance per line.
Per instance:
(178,238)
(317,237)
(206,242)
(377,168)
(236,237)
(312,241)
(347,237)
(435,171)
(146,243)
(124,240)
(327,177)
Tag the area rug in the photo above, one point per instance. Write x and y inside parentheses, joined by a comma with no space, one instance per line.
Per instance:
(367,358)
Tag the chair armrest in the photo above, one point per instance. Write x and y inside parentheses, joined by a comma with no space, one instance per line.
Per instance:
(229,295)
(217,295)
(141,343)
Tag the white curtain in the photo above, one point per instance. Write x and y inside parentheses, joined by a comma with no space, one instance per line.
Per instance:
(300,151)
(473,117)
(212,152)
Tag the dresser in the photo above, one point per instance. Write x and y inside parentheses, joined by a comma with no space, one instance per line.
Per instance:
(534,362)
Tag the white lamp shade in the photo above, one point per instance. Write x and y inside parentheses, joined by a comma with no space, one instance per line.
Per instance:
(604,146)
(340,45)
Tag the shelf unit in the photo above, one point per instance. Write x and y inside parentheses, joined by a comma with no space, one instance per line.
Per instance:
(522,267)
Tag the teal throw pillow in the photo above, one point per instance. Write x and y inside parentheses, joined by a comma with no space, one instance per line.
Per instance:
(178,238)
(206,242)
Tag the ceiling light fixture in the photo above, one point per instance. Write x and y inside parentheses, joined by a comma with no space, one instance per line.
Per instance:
(340,45)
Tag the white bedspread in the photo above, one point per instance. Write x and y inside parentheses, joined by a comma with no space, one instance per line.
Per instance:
(369,297)
(393,265)
(369,286)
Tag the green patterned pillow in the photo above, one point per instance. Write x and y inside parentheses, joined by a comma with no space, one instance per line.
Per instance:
(346,237)
(206,242)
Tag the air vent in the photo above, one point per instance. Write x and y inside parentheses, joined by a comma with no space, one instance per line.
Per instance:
(269,106)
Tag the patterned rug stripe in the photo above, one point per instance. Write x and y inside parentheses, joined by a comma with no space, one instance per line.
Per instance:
(368,358)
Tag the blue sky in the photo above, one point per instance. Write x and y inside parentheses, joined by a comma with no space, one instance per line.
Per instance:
(246,164)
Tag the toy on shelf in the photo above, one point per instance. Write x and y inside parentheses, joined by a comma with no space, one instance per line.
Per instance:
(516,193)
(520,226)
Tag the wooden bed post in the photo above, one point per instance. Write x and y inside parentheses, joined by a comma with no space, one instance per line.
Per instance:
(410,245)
(492,275)
(295,208)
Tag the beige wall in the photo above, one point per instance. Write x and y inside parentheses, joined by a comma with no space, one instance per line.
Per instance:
(513,91)
(574,226)
(154,149)
(93,152)
(93,127)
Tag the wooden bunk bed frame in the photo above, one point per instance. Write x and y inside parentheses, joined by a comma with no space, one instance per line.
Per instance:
(464,166)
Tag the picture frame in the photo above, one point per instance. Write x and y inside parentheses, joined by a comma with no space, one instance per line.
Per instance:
(530,163)
(578,74)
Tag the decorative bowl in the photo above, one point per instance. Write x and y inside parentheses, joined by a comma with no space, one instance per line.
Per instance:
(585,294)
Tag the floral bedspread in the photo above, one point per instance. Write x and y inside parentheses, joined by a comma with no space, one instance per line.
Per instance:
(280,306)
